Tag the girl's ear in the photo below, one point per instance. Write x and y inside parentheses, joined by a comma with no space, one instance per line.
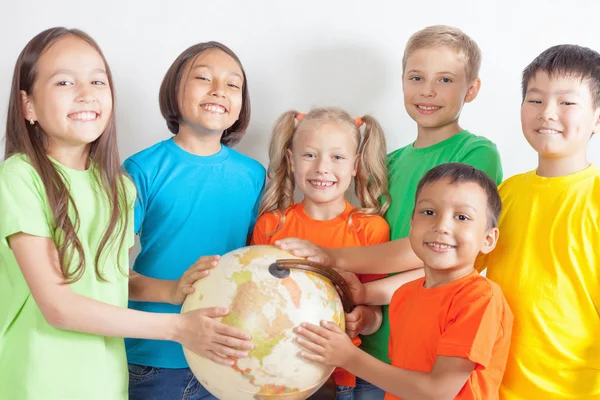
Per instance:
(356,161)
(27,107)
(290,158)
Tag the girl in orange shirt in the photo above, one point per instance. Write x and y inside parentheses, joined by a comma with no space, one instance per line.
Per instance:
(321,153)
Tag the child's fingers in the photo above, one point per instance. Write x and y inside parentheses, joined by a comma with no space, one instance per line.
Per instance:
(193,276)
(230,352)
(207,259)
(312,357)
(227,330)
(311,335)
(331,326)
(203,265)
(219,359)
(188,290)
(308,345)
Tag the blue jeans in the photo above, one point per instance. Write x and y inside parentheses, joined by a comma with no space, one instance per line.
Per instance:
(344,393)
(367,391)
(151,383)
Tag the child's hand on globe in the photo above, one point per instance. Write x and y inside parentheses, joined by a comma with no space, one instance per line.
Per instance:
(183,286)
(326,344)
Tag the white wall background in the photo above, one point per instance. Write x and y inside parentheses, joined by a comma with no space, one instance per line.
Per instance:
(299,54)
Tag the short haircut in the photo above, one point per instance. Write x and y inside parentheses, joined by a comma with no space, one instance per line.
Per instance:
(169,92)
(567,60)
(464,173)
(446,36)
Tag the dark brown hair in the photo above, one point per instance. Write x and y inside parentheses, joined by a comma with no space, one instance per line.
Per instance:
(30,140)
(464,173)
(567,60)
(169,92)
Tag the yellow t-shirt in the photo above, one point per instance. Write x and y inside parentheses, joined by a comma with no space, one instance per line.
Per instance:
(547,263)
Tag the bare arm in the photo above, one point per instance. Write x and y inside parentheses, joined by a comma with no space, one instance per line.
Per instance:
(62,308)
(380,292)
(328,344)
(144,288)
(385,258)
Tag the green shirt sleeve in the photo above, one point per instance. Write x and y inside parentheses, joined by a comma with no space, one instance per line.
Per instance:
(487,159)
(23,204)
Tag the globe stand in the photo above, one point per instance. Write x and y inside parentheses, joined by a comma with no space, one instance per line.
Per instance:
(281,269)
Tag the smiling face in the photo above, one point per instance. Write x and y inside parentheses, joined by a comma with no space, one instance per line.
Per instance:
(323,159)
(210,96)
(435,87)
(558,116)
(450,227)
(71,97)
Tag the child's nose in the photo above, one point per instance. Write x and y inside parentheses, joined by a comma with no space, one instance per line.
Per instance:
(548,113)
(442,226)
(86,94)
(427,90)
(323,166)
(218,88)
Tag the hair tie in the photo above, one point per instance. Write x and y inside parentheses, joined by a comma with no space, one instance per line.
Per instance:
(299,116)
(358,121)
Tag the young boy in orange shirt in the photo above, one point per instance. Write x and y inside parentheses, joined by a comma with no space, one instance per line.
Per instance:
(450,331)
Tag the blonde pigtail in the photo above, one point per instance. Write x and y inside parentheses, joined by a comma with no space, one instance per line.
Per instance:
(279,193)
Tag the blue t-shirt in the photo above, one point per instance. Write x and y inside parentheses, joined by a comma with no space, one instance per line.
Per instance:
(188,206)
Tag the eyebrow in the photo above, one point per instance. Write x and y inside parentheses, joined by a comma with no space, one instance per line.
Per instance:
(438,73)
(566,91)
(425,200)
(210,67)
(71,72)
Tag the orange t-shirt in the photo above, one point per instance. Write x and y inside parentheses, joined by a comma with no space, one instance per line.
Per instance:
(335,233)
(466,318)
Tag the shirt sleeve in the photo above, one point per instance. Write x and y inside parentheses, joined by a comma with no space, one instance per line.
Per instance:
(258,234)
(23,204)
(472,325)
(131,197)
(137,176)
(257,203)
(487,159)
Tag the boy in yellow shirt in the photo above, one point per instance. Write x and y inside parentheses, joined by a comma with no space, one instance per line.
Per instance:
(547,260)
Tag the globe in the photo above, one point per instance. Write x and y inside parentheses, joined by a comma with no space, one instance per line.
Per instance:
(268,303)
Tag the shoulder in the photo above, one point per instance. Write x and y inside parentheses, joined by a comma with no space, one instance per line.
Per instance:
(479,291)
(471,142)
(17,163)
(252,165)
(405,291)
(374,227)
(271,220)
(394,155)
(18,169)
(514,181)
(148,155)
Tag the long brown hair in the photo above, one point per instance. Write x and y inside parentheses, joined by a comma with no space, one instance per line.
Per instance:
(370,182)
(30,140)
(169,92)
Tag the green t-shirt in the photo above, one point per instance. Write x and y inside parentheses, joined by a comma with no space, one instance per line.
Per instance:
(406,167)
(38,361)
